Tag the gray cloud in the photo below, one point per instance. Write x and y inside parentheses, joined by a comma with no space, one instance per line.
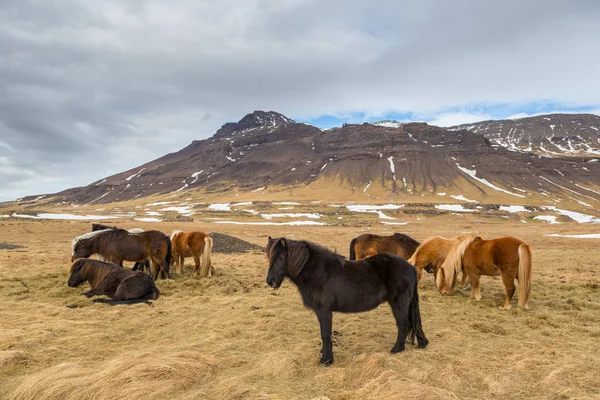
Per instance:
(90,88)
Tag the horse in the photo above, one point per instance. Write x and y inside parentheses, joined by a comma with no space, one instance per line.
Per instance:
(118,245)
(367,245)
(507,256)
(121,285)
(139,265)
(328,282)
(430,255)
(192,244)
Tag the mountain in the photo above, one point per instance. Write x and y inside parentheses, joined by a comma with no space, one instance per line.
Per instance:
(267,155)
(549,135)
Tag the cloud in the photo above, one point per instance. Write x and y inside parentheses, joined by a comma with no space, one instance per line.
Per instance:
(89,88)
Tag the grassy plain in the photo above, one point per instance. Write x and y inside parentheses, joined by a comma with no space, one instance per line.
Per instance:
(232,337)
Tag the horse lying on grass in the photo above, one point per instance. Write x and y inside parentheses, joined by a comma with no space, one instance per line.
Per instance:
(121,285)
(508,257)
(367,245)
(328,282)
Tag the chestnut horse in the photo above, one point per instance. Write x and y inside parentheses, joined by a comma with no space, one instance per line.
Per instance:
(368,245)
(106,279)
(507,256)
(430,255)
(118,245)
(192,244)
(328,282)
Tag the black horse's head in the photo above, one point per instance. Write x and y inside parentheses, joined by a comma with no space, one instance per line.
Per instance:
(286,259)
(75,279)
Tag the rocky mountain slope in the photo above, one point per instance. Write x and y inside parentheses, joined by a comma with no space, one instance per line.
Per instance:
(267,154)
(549,135)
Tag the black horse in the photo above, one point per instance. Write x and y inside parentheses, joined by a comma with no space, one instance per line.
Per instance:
(328,282)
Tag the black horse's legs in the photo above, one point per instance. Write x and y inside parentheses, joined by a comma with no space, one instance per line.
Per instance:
(325,321)
(92,292)
(400,310)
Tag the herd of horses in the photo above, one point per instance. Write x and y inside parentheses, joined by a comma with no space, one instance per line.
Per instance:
(380,269)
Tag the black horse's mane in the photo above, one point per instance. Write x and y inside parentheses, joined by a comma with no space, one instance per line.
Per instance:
(321,251)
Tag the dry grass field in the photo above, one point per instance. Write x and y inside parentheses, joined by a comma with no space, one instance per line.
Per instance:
(232,337)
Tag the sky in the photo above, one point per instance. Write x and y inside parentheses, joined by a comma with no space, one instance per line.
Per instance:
(89,89)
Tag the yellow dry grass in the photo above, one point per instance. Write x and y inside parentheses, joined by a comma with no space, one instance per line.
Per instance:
(232,337)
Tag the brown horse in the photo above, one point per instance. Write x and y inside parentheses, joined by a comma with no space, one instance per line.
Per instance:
(192,244)
(430,255)
(105,279)
(139,265)
(118,245)
(508,257)
(368,245)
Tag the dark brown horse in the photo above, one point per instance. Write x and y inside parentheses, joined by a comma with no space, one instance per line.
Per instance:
(368,245)
(105,279)
(118,245)
(507,256)
(327,283)
(139,265)
(192,244)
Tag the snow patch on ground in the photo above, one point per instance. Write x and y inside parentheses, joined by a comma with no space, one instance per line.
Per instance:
(185,210)
(220,207)
(159,203)
(463,198)
(579,217)
(394,223)
(472,172)
(294,223)
(287,203)
(453,207)
(148,219)
(513,209)
(135,175)
(370,208)
(292,215)
(64,216)
(582,236)
(259,189)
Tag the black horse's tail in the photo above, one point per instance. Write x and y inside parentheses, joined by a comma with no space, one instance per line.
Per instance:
(352,253)
(413,325)
(169,254)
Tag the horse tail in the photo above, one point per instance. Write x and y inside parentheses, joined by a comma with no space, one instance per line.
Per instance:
(452,265)
(208,244)
(525,261)
(352,252)
(169,252)
(413,325)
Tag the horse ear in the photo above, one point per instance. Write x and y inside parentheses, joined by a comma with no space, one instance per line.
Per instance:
(282,241)
(270,238)
(297,257)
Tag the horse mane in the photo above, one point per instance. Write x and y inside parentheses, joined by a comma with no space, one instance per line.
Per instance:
(87,236)
(453,263)
(95,271)
(412,243)
(322,251)
(174,233)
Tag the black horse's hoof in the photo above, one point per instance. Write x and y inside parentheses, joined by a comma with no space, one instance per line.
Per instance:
(326,361)
(397,349)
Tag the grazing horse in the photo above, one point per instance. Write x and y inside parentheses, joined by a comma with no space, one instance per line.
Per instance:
(139,265)
(367,245)
(328,282)
(192,244)
(430,255)
(507,256)
(118,245)
(121,285)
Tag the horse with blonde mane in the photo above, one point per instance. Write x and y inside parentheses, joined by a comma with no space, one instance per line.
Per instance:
(368,245)
(430,255)
(192,244)
(121,285)
(507,256)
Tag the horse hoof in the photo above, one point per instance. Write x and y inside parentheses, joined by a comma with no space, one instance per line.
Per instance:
(397,349)
(326,362)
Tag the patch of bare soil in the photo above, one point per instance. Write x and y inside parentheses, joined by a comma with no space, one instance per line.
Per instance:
(9,246)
